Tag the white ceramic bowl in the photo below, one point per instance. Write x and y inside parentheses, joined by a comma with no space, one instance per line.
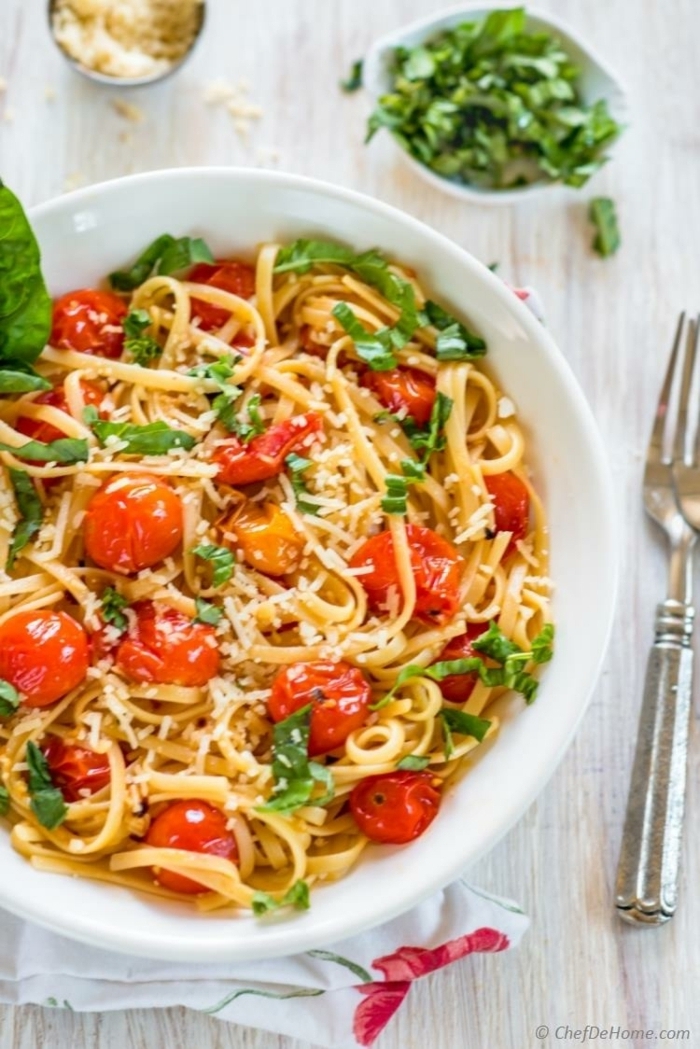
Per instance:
(596,81)
(85,235)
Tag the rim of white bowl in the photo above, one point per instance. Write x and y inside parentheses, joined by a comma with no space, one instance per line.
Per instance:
(618,96)
(290,937)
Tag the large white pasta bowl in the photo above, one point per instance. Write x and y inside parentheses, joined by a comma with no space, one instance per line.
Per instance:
(87,234)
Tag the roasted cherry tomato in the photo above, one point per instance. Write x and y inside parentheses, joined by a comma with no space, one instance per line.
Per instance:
(457,687)
(89,321)
(436,569)
(44,654)
(339,697)
(264,456)
(166,648)
(395,808)
(36,430)
(194,826)
(228,275)
(265,535)
(132,522)
(405,390)
(309,344)
(75,768)
(511,504)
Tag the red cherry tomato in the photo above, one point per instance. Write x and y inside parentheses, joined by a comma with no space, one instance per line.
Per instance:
(339,696)
(89,321)
(264,456)
(194,826)
(309,344)
(132,522)
(405,390)
(166,648)
(395,808)
(457,687)
(229,275)
(512,504)
(436,569)
(36,430)
(44,654)
(75,768)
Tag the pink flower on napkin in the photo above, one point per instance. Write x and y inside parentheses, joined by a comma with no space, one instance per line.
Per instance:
(407,964)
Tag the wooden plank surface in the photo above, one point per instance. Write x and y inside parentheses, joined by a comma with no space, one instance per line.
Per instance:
(613,321)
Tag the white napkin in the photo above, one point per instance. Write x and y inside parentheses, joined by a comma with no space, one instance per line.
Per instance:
(342,996)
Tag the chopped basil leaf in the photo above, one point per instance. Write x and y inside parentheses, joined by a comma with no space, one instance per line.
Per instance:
(143,348)
(414,762)
(247,423)
(25,304)
(494,266)
(465,724)
(293,773)
(206,612)
(165,254)
(153,439)
(602,214)
(354,80)
(9,699)
(413,470)
(394,502)
(47,802)
(66,450)
(296,465)
(372,348)
(4,801)
(431,438)
(542,644)
(223,406)
(112,610)
(221,559)
(18,377)
(218,371)
(297,896)
(492,103)
(31,514)
(454,342)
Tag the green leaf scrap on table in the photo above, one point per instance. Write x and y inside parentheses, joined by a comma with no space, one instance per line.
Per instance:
(47,802)
(25,304)
(354,79)
(493,104)
(165,255)
(601,212)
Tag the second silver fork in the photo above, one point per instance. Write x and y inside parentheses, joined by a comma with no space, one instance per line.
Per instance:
(648,870)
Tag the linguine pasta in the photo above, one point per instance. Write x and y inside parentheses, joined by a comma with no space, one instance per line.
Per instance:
(290,357)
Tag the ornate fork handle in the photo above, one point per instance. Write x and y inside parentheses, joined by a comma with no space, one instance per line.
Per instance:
(647,874)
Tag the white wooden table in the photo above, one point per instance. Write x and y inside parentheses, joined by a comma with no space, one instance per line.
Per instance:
(612,319)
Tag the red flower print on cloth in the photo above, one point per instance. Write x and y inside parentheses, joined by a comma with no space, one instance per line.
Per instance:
(407,964)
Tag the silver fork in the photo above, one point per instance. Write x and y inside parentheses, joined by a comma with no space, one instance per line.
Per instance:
(647,875)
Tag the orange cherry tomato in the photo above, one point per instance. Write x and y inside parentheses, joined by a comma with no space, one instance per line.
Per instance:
(194,826)
(457,687)
(44,654)
(339,695)
(406,390)
(395,808)
(89,321)
(166,648)
(511,501)
(36,430)
(436,569)
(75,769)
(267,538)
(228,275)
(263,457)
(132,522)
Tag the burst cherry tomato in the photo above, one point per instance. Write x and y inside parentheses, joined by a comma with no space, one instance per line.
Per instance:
(194,826)
(395,808)
(405,390)
(89,321)
(457,687)
(264,456)
(75,768)
(36,430)
(44,654)
(436,569)
(228,275)
(166,648)
(339,696)
(265,535)
(132,522)
(512,504)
